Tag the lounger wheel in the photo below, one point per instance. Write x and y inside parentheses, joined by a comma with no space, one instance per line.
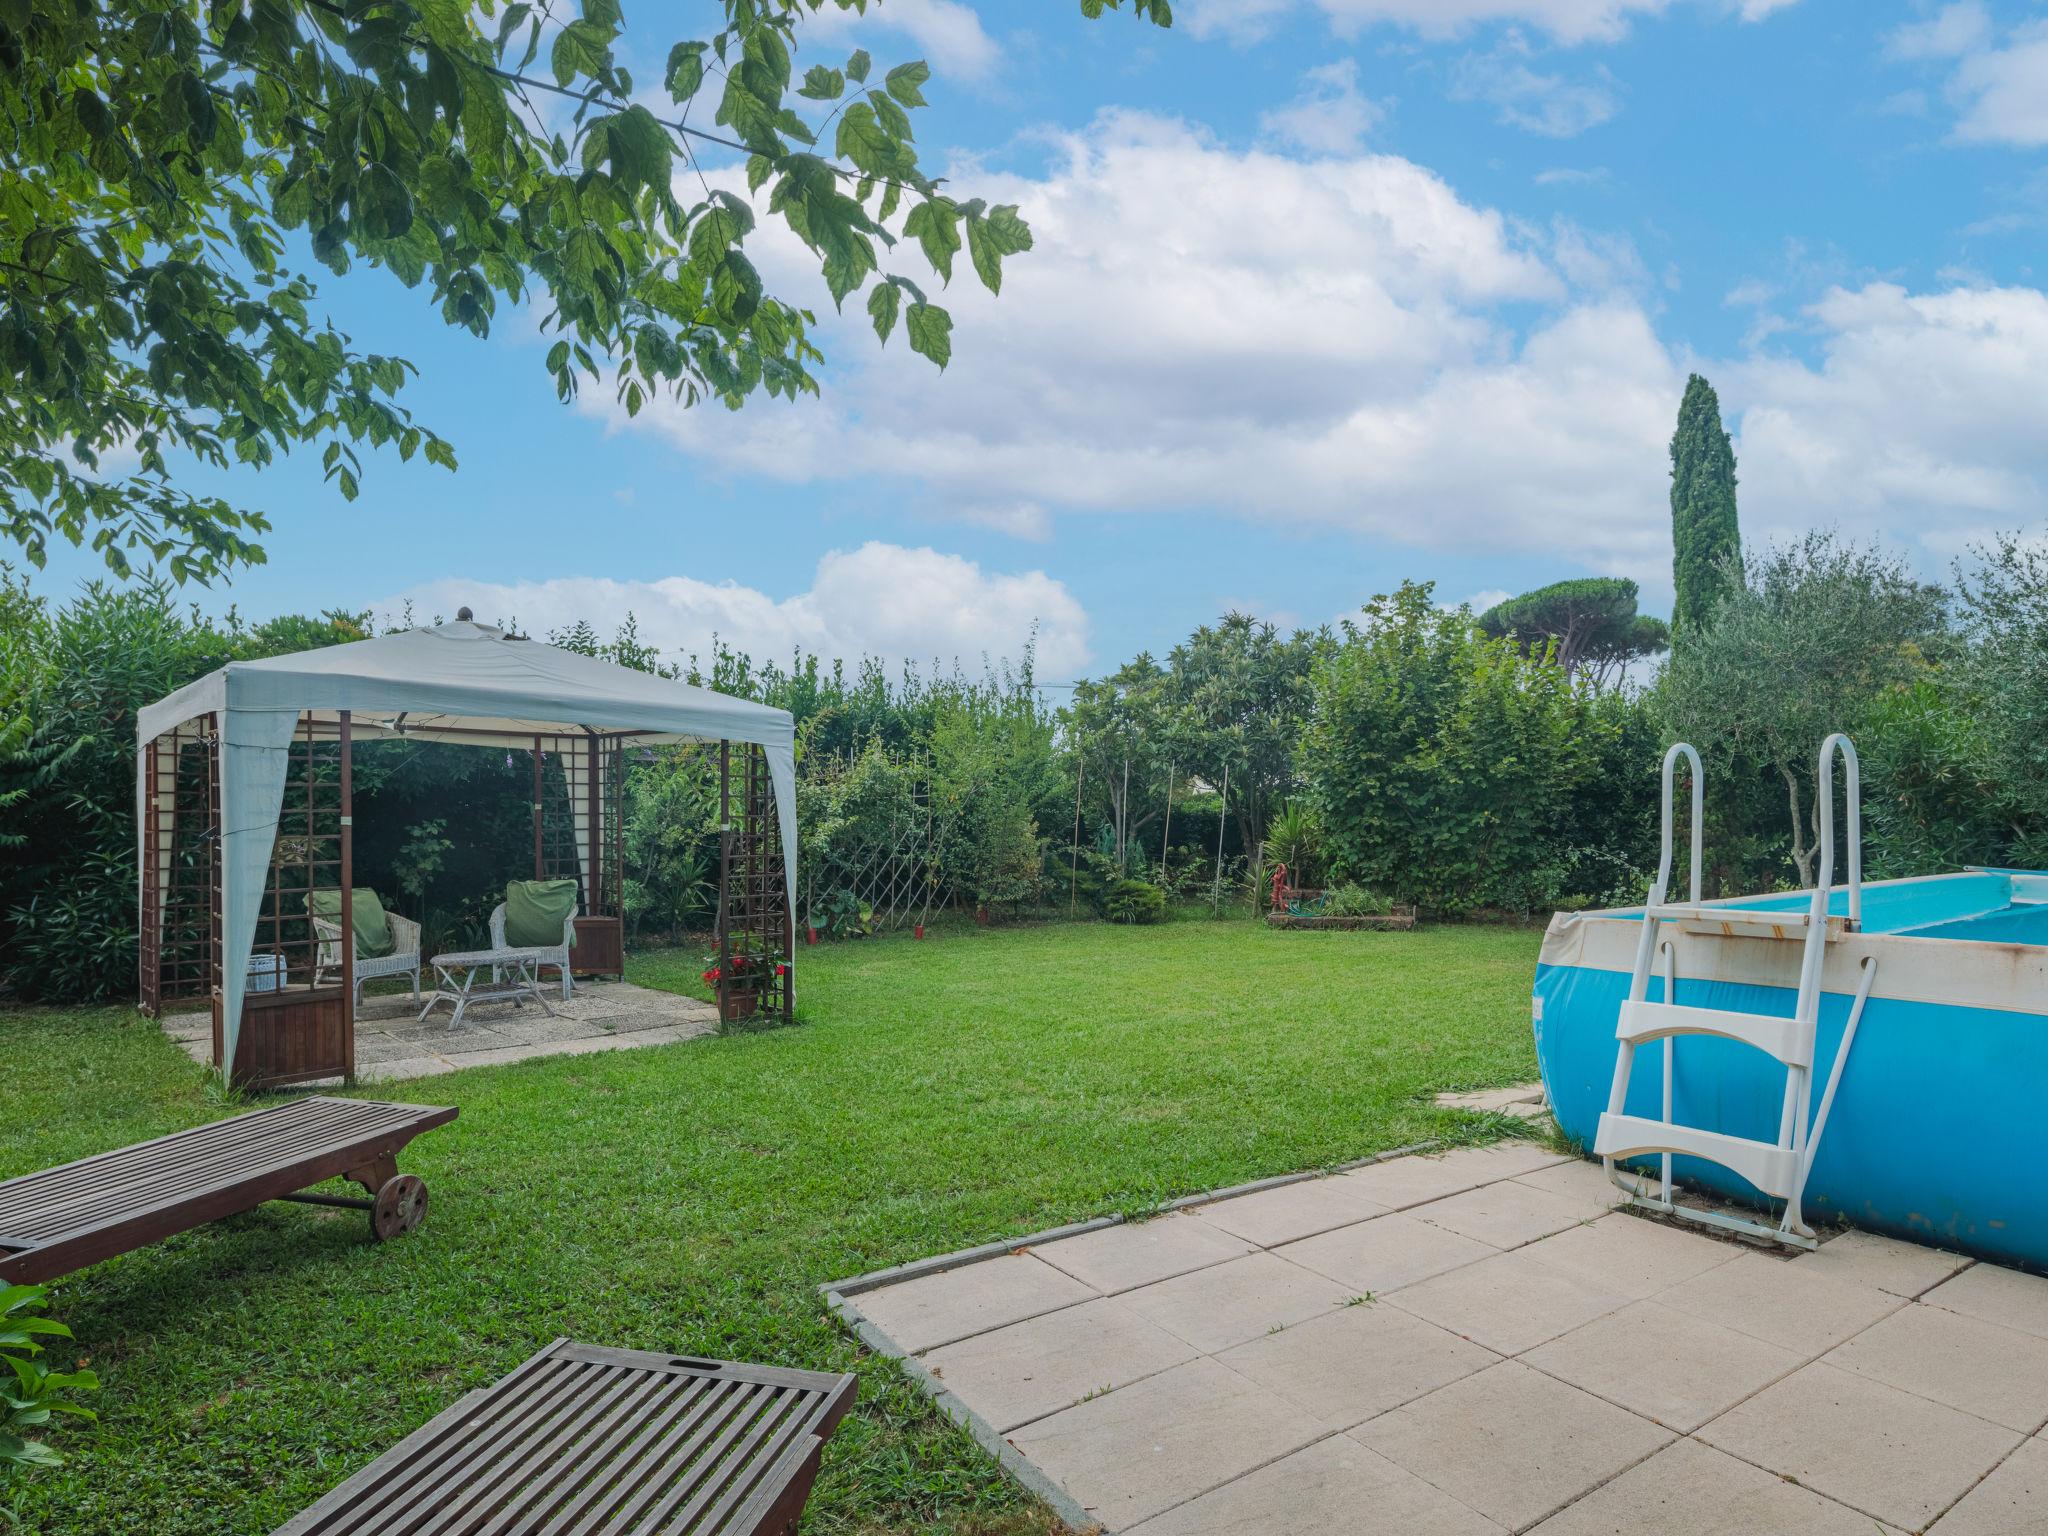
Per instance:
(400,1205)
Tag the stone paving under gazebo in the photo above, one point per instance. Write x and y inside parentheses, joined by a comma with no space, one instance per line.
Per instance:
(1477,1343)
(393,1042)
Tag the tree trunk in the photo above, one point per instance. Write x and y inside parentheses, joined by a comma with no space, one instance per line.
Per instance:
(1802,853)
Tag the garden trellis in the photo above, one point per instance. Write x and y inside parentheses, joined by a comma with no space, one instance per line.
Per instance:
(244,807)
(876,842)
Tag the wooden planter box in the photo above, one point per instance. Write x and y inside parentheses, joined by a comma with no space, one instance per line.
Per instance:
(1400,919)
(298,1035)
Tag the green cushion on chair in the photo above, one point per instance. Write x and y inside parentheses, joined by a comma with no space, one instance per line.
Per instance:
(372,930)
(535,911)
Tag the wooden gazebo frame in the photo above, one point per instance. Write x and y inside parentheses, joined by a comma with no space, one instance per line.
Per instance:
(295,1020)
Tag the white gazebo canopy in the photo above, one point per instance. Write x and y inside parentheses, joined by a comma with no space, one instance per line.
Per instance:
(461,682)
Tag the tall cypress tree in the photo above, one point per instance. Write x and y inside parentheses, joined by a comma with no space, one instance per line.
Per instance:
(1704,533)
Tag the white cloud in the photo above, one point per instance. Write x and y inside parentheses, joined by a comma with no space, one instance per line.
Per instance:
(947,33)
(1574,176)
(1347,344)
(1565,21)
(1329,117)
(1919,417)
(1568,21)
(1949,33)
(1999,87)
(1527,98)
(1241,21)
(881,600)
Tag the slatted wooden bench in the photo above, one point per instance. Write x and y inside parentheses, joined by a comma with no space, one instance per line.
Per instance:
(581,1441)
(65,1218)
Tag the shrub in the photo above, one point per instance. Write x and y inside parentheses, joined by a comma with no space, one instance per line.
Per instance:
(1135,901)
(34,1392)
(1355,901)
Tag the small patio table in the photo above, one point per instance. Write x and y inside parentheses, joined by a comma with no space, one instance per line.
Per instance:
(523,982)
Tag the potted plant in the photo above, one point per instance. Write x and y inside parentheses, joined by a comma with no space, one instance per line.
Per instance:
(741,994)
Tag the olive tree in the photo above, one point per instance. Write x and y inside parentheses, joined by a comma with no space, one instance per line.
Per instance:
(1805,640)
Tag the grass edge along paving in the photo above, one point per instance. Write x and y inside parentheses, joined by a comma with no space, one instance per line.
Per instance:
(692,1197)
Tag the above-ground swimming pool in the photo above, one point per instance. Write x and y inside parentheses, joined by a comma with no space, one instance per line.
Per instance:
(1939,1127)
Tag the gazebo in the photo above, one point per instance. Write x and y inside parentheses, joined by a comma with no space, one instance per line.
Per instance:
(244,807)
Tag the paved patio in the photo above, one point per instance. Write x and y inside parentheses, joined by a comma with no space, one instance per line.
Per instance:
(1476,1343)
(393,1043)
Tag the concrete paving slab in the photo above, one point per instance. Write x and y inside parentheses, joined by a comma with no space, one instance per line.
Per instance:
(2002,1296)
(1511,1442)
(1379,1256)
(1504,1215)
(1135,1253)
(1668,1366)
(1995,1373)
(1359,1361)
(1237,1301)
(1782,1302)
(1632,1255)
(1508,1303)
(1896,1457)
(1577,1179)
(1404,1181)
(1904,1269)
(2012,1501)
(1013,1375)
(956,1304)
(1334,1485)
(1139,1451)
(1689,1489)
(1493,1099)
(1275,1216)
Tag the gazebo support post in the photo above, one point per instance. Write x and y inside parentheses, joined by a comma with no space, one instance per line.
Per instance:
(348,886)
(727,996)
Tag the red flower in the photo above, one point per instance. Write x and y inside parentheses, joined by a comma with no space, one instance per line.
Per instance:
(782,970)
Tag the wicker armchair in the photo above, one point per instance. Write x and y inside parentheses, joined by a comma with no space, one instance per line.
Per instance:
(404,959)
(557,956)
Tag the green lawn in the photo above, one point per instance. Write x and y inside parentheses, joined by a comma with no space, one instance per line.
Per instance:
(692,1197)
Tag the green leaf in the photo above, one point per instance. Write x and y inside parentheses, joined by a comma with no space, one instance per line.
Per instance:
(932,224)
(992,237)
(640,148)
(892,117)
(735,288)
(685,70)
(862,141)
(857,66)
(580,49)
(822,84)
(930,330)
(603,13)
(383,202)
(903,82)
(883,304)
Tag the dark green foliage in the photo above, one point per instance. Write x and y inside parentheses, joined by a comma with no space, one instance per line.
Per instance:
(71,681)
(1808,642)
(1448,768)
(33,1395)
(1958,760)
(1354,901)
(162,158)
(1134,901)
(1705,536)
(1591,623)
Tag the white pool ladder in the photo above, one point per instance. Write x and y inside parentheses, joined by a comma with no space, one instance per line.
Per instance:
(1777,1168)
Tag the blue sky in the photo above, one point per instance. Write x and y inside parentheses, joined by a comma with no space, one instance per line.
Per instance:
(1327,293)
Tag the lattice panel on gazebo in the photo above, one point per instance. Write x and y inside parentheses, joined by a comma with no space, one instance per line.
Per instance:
(180,850)
(754,912)
(305,858)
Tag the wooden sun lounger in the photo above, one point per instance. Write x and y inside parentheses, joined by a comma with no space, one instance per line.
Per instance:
(602,1442)
(65,1218)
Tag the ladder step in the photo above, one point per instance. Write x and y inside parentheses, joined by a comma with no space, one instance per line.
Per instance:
(1770,1167)
(1785,1040)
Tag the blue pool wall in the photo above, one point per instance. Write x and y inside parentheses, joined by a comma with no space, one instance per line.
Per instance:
(1939,1130)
